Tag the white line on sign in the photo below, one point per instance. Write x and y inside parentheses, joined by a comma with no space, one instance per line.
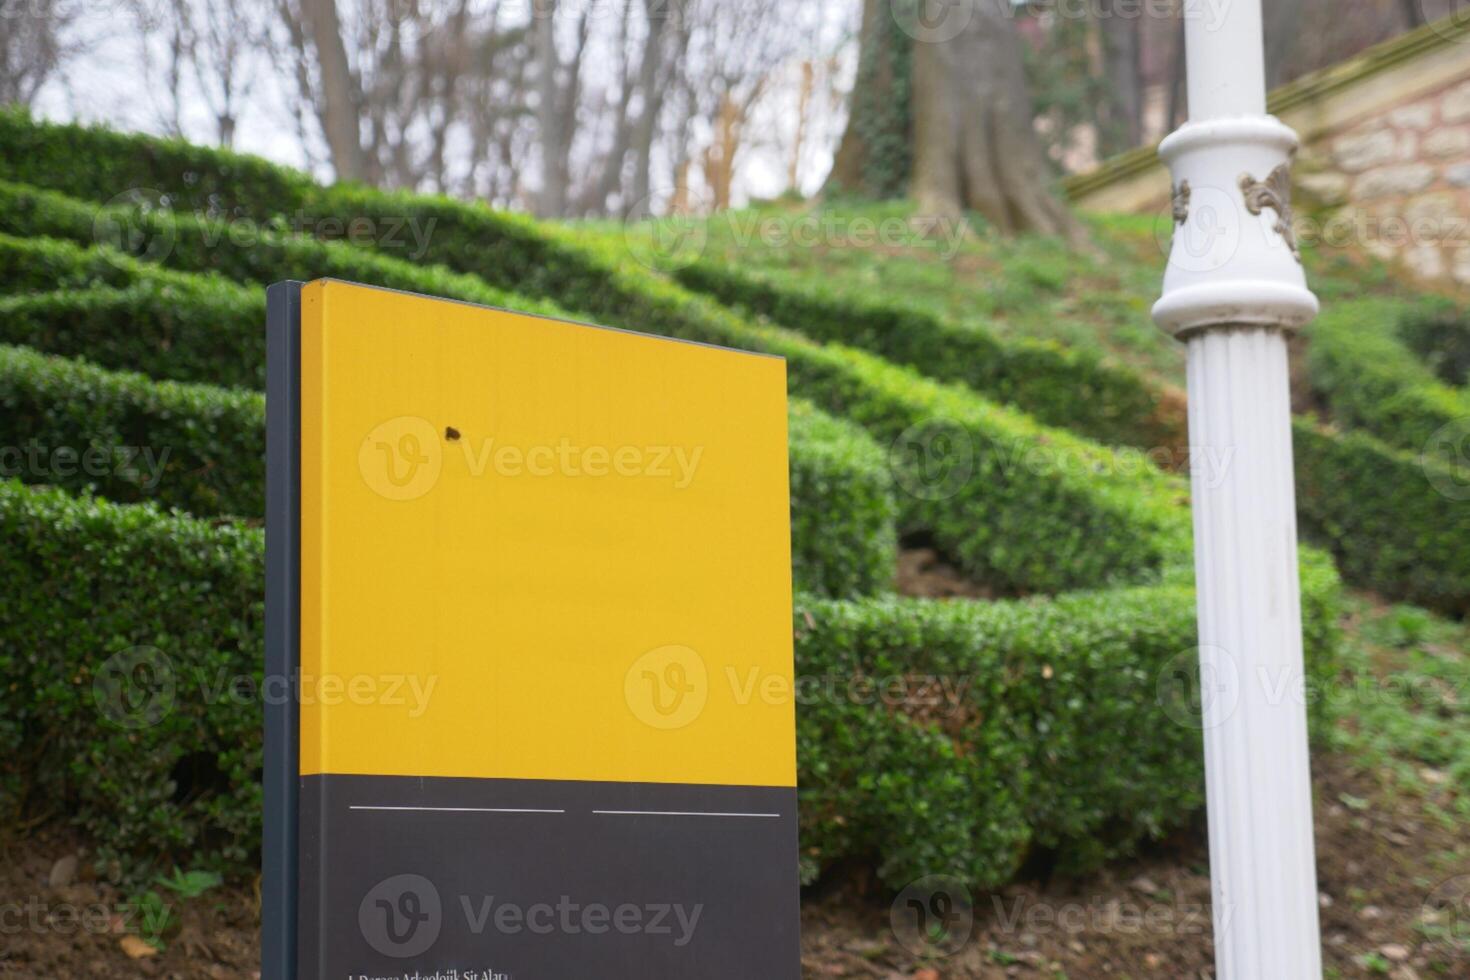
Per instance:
(678,813)
(456,809)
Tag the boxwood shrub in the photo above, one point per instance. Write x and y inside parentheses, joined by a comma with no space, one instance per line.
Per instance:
(242,250)
(1076,506)
(1014,726)
(96,591)
(210,331)
(75,425)
(201,448)
(1049,723)
(1440,334)
(1370,380)
(1398,523)
(1043,378)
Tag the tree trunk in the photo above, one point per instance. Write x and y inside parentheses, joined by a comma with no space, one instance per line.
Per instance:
(974,145)
(1283,28)
(552,202)
(649,74)
(873,159)
(340,102)
(947,119)
(1123,128)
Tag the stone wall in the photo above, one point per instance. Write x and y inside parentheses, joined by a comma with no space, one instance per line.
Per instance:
(1398,184)
(1385,158)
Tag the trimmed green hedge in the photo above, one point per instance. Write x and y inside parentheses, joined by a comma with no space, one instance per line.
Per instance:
(75,425)
(1440,335)
(202,448)
(1032,760)
(843,539)
(86,582)
(1040,510)
(1370,380)
(1051,734)
(1043,378)
(43,265)
(98,163)
(212,332)
(1398,524)
(241,250)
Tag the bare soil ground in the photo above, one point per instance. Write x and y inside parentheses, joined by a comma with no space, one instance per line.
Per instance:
(1379,861)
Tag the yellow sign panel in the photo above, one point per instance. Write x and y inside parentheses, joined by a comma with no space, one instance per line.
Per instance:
(535,549)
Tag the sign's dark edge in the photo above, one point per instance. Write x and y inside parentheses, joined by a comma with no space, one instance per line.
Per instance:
(278,891)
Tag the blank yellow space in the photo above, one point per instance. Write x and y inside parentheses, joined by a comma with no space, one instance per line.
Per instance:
(523,599)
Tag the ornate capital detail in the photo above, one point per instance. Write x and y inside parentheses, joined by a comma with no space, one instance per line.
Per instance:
(1275,193)
(1181,202)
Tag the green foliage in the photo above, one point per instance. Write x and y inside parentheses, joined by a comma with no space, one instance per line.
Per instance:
(209,331)
(1077,497)
(1371,381)
(1404,678)
(153,913)
(1045,379)
(242,249)
(1019,724)
(98,163)
(71,424)
(114,613)
(1056,744)
(1440,335)
(1396,523)
(843,541)
(202,449)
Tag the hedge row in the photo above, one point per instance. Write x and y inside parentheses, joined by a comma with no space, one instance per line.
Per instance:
(1021,506)
(1052,734)
(75,425)
(1371,380)
(1042,378)
(1020,725)
(1440,334)
(241,250)
(212,331)
(1398,524)
(97,593)
(843,511)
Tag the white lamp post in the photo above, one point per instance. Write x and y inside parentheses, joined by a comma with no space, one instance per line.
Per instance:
(1233,289)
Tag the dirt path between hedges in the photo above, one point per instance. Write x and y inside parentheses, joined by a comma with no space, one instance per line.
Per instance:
(1379,860)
